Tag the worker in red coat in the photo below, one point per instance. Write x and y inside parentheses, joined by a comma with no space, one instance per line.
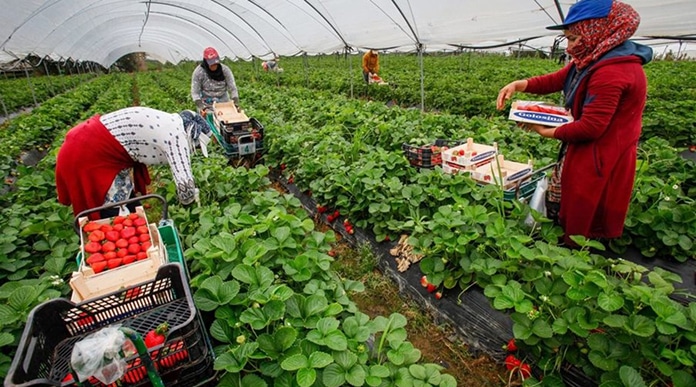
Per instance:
(605,89)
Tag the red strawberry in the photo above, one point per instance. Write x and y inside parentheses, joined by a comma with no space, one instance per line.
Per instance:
(139,222)
(122,252)
(122,243)
(105,228)
(114,263)
(526,370)
(93,247)
(134,248)
(96,257)
(438,295)
(141,230)
(424,281)
(431,288)
(144,237)
(511,345)
(119,219)
(98,267)
(128,232)
(96,236)
(156,336)
(141,255)
(108,246)
(113,236)
(91,226)
(129,259)
(512,362)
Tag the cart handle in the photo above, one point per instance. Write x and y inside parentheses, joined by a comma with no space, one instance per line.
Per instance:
(165,214)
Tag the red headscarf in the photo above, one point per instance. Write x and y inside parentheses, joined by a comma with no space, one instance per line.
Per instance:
(598,36)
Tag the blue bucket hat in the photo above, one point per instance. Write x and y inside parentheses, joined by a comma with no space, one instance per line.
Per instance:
(583,10)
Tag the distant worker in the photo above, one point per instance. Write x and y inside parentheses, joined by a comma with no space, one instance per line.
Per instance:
(212,81)
(104,159)
(370,65)
(272,65)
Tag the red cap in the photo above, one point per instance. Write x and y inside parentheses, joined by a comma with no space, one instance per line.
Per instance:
(211,56)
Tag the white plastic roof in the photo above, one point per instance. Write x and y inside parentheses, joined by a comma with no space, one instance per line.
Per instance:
(173,30)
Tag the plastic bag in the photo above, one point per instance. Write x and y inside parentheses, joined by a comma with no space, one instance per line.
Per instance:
(538,201)
(99,355)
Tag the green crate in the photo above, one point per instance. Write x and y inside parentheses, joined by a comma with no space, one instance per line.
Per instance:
(525,190)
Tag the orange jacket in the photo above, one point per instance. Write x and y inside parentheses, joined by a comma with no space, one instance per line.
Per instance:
(370,62)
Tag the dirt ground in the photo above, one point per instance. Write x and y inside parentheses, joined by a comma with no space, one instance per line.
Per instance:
(436,343)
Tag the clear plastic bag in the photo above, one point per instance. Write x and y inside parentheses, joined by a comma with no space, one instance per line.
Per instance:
(100,355)
(538,201)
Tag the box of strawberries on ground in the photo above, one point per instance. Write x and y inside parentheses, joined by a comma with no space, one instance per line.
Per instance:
(116,252)
(541,113)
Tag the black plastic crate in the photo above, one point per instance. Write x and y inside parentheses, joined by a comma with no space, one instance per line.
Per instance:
(424,156)
(53,328)
(241,132)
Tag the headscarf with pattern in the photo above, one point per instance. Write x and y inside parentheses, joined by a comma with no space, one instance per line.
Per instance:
(598,36)
(197,128)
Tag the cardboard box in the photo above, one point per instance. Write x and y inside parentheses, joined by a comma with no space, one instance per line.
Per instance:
(469,154)
(536,112)
(503,172)
(87,285)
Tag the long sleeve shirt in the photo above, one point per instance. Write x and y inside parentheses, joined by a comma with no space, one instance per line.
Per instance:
(203,87)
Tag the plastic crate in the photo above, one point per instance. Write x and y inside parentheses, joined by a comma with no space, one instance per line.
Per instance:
(53,328)
(425,156)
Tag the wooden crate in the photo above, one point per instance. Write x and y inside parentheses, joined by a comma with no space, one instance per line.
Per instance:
(503,172)
(469,154)
(226,113)
(87,285)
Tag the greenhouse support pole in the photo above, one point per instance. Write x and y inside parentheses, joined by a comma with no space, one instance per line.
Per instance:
(350,69)
(60,73)
(306,68)
(422,76)
(4,108)
(50,83)
(31,87)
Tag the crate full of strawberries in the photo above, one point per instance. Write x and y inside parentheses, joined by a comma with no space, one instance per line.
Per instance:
(116,252)
(536,112)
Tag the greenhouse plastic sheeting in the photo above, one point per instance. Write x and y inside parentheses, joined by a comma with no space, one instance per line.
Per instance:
(104,30)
